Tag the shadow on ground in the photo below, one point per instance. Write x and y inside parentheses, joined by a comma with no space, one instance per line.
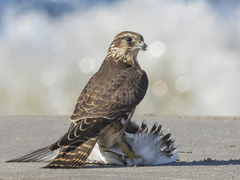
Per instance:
(205,162)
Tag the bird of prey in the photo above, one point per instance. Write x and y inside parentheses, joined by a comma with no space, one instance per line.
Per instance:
(104,108)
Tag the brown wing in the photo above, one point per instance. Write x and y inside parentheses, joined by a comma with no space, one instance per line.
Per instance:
(81,132)
(113,96)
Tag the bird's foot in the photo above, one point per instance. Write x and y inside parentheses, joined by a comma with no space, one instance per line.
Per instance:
(131,154)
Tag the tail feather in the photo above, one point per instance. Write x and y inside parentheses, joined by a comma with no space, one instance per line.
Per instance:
(39,155)
(73,156)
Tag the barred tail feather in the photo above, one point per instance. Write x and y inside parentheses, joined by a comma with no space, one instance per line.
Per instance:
(39,155)
(73,156)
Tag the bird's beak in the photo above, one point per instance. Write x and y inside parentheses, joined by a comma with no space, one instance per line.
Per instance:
(142,45)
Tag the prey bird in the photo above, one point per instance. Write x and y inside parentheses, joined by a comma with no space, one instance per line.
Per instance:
(104,108)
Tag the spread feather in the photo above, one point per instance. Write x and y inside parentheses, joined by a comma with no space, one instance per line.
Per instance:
(153,148)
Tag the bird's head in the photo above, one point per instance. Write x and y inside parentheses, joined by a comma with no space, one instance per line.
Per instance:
(126,46)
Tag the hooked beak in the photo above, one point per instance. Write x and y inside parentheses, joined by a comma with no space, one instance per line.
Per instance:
(143,46)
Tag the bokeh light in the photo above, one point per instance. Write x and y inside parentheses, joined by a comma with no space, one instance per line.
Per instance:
(159,88)
(86,65)
(157,49)
(182,84)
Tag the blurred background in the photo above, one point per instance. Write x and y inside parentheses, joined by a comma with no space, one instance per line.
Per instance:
(50,49)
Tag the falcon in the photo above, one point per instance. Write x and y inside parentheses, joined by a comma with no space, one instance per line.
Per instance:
(104,108)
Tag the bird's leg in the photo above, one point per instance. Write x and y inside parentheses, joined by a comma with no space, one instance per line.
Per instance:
(129,153)
(121,158)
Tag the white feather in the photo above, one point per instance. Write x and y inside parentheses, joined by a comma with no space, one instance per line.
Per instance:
(151,148)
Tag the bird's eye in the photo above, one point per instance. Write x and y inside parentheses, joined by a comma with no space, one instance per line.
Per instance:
(129,39)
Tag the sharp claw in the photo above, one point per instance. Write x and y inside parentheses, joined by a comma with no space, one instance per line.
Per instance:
(132,156)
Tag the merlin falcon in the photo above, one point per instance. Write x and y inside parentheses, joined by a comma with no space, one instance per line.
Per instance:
(104,108)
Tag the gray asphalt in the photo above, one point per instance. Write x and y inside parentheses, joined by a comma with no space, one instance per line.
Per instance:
(209,148)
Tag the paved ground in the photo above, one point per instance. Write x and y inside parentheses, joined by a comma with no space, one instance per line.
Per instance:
(209,149)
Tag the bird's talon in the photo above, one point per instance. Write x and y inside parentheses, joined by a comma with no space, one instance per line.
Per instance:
(132,155)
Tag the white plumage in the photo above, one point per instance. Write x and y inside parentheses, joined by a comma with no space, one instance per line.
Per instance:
(153,148)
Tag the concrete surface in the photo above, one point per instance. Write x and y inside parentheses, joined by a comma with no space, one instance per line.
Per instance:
(209,148)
